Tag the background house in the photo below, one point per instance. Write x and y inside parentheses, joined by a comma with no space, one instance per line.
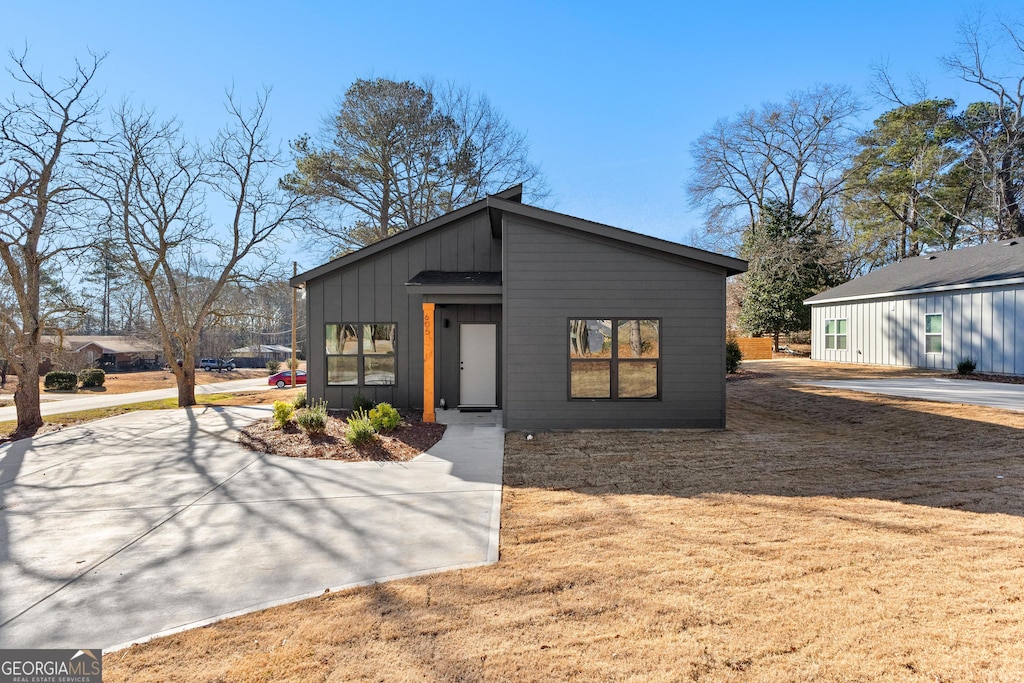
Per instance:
(930,311)
(557,321)
(257,355)
(111,352)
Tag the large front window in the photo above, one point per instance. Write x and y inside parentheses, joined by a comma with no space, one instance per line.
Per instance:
(360,354)
(614,358)
(933,333)
(835,334)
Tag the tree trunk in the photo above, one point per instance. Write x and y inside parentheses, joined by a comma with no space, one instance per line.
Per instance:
(184,376)
(187,383)
(1011,218)
(635,341)
(26,395)
(775,341)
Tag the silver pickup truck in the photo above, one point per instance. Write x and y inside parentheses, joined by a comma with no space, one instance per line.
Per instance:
(210,364)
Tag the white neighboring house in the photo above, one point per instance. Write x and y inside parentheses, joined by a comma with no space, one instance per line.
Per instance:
(931,311)
(261,353)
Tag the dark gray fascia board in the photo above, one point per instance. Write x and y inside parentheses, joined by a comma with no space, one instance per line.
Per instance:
(512,194)
(732,266)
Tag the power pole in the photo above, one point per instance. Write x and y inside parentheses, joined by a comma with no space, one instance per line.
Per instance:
(295,302)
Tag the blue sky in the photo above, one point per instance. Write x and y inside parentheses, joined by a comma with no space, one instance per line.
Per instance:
(611,95)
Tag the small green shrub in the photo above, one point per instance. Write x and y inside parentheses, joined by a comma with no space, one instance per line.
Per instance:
(293,363)
(384,417)
(273,366)
(360,429)
(733,356)
(300,400)
(92,377)
(283,413)
(61,380)
(966,366)
(362,403)
(313,420)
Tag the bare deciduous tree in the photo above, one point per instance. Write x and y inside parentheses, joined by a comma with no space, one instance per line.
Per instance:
(43,209)
(995,128)
(795,153)
(157,183)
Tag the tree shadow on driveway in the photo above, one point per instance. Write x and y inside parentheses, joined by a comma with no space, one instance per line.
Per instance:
(148,522)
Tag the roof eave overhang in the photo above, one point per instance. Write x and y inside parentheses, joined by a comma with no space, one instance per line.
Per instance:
(983,284)
(510,201)
(413,289)
(732,266)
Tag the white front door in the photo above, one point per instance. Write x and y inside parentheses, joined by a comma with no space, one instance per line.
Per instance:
(478,367)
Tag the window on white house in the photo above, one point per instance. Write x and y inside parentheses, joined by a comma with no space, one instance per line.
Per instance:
(835,333)
(933,333)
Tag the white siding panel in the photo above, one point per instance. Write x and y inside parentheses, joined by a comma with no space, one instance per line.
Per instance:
(985,324)
(956,317)
(1018,334)
(994,344)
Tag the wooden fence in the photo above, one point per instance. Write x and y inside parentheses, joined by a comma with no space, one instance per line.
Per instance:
(755,348)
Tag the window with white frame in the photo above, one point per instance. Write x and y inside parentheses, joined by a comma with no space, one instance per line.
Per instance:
(835,333)
(933,333)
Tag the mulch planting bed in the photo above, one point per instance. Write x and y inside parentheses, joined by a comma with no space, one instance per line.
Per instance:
(986,377)
(408,440)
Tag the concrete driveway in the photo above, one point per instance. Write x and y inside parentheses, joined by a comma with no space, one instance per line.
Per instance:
(992,394)
(154,521)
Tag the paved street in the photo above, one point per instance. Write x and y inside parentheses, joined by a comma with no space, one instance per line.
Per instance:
(69,403)
(993,394)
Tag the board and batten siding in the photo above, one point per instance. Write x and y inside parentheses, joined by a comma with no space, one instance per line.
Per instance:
(373,290)
(553,273)
(986,324)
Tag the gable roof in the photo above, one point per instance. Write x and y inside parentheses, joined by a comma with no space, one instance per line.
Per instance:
(262,348)
(987,265)
(510,201)
(110,343)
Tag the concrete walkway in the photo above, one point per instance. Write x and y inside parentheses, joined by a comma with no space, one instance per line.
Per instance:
(992,394)
(152,522)
(54,404)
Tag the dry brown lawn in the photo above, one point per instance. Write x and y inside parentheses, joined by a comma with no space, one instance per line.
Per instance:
(126,382)
(824,536)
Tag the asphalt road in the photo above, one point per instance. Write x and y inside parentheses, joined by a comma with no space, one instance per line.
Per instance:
(992,394)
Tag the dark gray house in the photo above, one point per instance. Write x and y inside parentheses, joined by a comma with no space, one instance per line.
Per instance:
(557,321)
(929,311)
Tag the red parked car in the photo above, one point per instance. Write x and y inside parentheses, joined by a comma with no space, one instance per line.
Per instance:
(284,378)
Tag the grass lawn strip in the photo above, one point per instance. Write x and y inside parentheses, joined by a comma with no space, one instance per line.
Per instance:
(61,420)
(824,536)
